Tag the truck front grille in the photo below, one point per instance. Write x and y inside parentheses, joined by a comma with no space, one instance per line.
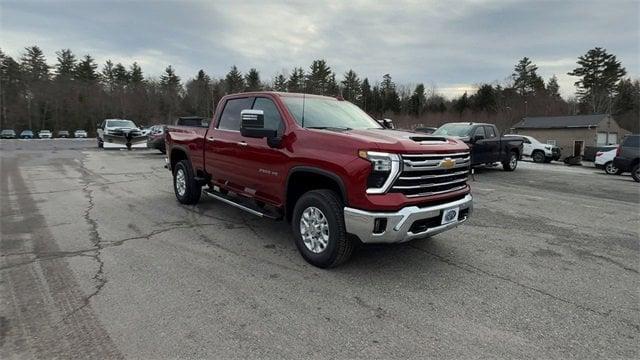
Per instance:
(431,174)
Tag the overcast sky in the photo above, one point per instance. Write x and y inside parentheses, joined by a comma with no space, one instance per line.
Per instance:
(451,45)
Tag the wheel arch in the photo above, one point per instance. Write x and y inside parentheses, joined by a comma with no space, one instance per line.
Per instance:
(301,179)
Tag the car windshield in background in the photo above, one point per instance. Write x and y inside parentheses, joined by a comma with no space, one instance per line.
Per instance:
(328,113)
(8,132)
(459,130)
(121,123)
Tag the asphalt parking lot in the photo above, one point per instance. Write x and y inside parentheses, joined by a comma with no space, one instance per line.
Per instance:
(99,260)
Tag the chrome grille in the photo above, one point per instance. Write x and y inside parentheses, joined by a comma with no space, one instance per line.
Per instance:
(428,174)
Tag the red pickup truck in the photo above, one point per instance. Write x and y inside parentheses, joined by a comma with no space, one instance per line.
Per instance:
(324,165)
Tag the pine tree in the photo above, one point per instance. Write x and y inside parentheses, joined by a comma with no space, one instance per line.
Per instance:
(461,104)
(526,79)
(553,89)
(10,89)
(600,73)
(64,69)
(234,82)
(120,75)
(351,89)
(33,64)
(484,99)
(296,82)
(280,83)
(365,98)
(252,80)
(199,95)
(170,88)
(390,98)
(319,78)
(135,74)
(86,70)
(417,101)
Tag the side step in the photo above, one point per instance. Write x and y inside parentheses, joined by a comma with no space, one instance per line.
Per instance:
(243,204)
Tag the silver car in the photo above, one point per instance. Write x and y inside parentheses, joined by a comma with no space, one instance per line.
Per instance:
(80,134)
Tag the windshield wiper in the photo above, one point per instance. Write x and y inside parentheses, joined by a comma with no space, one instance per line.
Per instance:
(329,128)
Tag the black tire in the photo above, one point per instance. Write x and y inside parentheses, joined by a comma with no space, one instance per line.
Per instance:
(100,144)
(512,163)
(610,169)
(635,172)
(538,156)
(192,190)
(339,246)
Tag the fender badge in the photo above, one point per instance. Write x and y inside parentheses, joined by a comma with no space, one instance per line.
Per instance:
(447,163)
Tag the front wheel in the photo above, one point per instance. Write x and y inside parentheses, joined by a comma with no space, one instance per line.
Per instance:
(610,169)
(319,229)
(635,172)
(511,163)
(538,156)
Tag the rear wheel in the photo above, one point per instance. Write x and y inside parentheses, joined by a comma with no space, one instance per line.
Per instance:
(610,169)
(538,156)
(319,230)
(185,186)
(511,163)
(635,172)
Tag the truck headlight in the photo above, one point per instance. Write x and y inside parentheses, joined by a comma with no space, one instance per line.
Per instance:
(384,169)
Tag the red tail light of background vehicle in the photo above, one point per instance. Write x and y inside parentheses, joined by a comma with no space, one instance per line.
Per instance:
(618,150)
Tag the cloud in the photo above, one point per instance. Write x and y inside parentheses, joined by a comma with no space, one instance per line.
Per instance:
(450,45)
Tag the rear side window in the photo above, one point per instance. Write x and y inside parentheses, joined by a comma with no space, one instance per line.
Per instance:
(632,141)
(480,131)
(230,118)
(272,119)
(490,132)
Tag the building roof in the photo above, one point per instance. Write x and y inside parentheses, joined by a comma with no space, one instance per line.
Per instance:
(559,122)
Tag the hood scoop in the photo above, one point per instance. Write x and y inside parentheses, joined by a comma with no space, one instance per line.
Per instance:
(429,140)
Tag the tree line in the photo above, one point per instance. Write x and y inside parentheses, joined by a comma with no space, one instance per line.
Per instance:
(75,93)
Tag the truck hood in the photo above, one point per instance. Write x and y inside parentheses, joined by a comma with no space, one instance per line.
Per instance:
(401,141)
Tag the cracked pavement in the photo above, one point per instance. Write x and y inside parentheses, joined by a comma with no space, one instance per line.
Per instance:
(98,260)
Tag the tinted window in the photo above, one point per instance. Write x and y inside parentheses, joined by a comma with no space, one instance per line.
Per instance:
(490,132)
(272,119)
(230,118)
(480,131)
(632,141)
(526,141)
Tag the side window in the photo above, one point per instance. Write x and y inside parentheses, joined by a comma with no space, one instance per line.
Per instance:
(526,141)
(272,119)
(480,131)
(230,118)
(632,141)
(490,132)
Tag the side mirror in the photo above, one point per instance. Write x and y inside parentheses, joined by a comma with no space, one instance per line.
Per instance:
(252,125)
(477,138)
(387,123)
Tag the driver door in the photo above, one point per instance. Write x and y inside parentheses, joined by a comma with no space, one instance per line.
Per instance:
(480,150)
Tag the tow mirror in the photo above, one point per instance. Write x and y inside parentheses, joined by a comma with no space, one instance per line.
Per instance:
(252,125)
(387,123)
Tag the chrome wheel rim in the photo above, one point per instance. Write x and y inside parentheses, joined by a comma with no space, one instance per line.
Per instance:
(181,183)
(610,169)
(314,229)
(513,162)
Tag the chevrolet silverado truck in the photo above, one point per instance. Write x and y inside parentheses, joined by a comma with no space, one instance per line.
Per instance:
(324,165)
(486,144)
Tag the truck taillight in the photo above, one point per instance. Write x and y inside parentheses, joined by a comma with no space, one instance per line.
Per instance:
(618,151)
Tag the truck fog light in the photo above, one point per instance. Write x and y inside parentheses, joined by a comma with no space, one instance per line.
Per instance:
(379,225)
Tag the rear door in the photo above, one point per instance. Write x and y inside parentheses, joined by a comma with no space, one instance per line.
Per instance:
(224,144)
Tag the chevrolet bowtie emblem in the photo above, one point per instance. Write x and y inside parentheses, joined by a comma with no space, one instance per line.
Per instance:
(447,163)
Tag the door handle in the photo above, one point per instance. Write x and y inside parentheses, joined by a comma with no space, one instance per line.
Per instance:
(242,143)
(210,138)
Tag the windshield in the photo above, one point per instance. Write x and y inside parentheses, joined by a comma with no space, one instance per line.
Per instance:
(459,130)
(328,113)
(8,132)
(121,123)
(44,131)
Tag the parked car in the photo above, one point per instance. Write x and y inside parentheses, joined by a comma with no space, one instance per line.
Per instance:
(155,139)
(120,133)
(7,134)
(63,133)
(628,156)
(486,144)
(604,160)
(425,129)
(195,121)
(80,134)
(45,134)
(327,167)
(537,151)
(26,134)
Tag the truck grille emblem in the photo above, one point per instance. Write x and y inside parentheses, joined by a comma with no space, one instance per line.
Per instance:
(447,163)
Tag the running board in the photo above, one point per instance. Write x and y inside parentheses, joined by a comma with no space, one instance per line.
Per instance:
(237,202)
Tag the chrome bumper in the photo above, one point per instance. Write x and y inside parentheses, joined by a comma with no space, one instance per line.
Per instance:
(398,228)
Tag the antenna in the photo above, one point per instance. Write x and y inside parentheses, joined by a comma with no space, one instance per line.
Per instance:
(303,95)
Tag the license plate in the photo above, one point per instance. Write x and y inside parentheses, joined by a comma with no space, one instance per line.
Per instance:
(450,215)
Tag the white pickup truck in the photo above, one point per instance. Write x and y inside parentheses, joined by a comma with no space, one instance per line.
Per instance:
(537,151)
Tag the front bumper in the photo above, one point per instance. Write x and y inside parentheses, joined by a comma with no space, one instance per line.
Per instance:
(400,225)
